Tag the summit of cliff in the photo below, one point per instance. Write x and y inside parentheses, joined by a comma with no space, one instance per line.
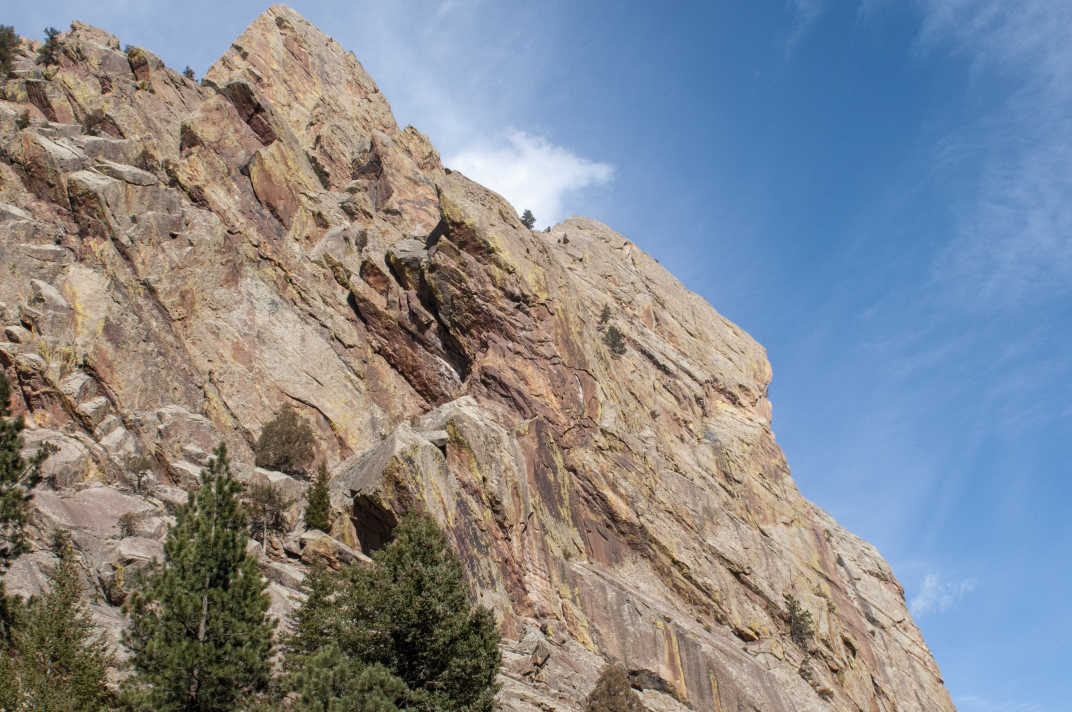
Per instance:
(182,259)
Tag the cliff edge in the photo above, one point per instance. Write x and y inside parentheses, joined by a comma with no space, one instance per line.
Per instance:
(181,259)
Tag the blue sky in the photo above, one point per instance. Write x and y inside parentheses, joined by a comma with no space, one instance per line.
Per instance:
(879,191)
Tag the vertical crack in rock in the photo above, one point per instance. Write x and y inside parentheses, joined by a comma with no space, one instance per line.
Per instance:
(271,236)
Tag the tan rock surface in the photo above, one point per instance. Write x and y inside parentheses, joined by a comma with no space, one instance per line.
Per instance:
(271,237)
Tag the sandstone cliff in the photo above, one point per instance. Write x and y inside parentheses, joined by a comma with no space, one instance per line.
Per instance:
(181,259)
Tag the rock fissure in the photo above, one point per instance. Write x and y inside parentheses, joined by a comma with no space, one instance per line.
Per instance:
(272,236)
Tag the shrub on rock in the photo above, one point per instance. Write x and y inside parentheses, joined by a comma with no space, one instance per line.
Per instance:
(286,443)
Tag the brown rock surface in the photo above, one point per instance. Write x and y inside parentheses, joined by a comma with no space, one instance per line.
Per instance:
(272,237)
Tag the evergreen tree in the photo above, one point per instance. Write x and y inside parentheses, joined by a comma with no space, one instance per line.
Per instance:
(801,625)
(318,507)
(50,50)
(316,620)
(409,613)
(528,219)
(613,693)
(332,682)
(57,662)
(615,340)
(266,505)
(200,635)
(604,316)
(8,42)
(17,477)
(188,72)
(286,443)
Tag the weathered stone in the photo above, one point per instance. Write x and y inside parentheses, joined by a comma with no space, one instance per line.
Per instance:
(170,497)
(95,510)
(68,464)
(286,575)
(125,173)
(318,547)
(93,410)
(273,238)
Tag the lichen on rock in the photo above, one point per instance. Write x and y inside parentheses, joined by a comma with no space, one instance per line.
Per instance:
(175,282)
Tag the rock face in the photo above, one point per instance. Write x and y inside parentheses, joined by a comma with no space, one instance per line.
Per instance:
(180,260)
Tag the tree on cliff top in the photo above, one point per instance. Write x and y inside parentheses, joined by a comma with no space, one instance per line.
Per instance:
(528,219)
(408,617)
(50,50)
(8,42)
(200,634)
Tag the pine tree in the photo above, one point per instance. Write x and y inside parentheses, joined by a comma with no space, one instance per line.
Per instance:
(801,625)
(613,693)
(200,635)
(8,42)
(615,340)
(266,505)
(57,662)
(286,443)
(316,620)
(318,507)
(604,316)
(330,681)
(50,50)
(528,219)
(410,613)
(17,477)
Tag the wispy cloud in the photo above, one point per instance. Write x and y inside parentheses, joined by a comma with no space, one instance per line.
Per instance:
(530,172)
(1014,229)
(453,70)
(805,14)
(938,595)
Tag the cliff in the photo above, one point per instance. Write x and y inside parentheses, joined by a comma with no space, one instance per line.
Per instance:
(182,259)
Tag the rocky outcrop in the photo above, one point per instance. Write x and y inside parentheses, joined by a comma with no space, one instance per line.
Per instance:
(180,260)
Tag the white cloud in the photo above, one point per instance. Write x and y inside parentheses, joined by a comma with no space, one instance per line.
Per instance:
(938,595)
(805,13)
(530,172)
(462,76)
(1013,243)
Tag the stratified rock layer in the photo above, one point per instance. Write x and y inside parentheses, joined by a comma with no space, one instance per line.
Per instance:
(180,260)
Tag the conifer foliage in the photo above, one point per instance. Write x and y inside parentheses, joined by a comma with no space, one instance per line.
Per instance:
(200,635)
(286,443)
(50,50)
(613,693)
(406,623)
(55,660)
(318,507)
(17,478)
(8,42)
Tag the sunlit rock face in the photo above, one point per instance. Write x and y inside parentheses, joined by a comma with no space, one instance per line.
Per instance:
(181,259)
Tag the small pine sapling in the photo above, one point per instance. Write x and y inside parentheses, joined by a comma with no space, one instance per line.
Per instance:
(318,503)
(614,340)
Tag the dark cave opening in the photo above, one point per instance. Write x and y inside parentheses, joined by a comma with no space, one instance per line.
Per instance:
(375,524)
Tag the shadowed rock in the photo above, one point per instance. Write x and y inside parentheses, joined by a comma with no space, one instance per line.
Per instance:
(273,238)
